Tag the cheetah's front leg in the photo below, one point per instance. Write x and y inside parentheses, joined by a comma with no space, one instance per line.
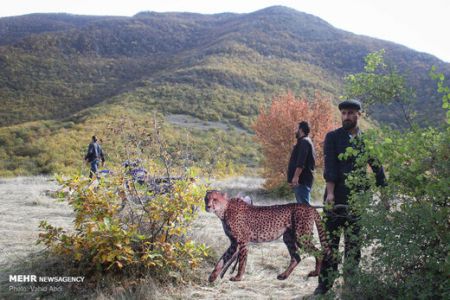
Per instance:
(226,257)
(242,262)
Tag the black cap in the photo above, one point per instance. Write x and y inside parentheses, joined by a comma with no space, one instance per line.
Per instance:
(351,103)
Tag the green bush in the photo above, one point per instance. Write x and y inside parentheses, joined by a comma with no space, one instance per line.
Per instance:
(112,232)
(409,243)
(405,226)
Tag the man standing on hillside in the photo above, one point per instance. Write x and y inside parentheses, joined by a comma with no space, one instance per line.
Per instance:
(301,165)
(93,156)
(340,216)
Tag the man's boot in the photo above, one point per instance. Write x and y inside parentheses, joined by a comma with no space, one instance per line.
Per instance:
(321,289)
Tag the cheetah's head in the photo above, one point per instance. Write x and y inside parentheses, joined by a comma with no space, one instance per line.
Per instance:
(216,202)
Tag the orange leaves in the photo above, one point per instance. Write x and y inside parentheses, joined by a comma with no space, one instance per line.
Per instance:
(275,129)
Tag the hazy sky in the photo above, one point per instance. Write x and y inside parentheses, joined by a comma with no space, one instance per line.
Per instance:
(420,25)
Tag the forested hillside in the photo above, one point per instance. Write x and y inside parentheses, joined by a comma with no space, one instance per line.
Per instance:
(222,67)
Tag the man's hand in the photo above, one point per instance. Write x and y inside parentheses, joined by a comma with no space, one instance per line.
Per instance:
(294,182)
(330,198)
(296,177)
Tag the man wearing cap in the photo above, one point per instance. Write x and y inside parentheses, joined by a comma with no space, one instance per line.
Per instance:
(301,165)
(339,216)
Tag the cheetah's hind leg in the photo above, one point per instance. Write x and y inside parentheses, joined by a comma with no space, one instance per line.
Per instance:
(306,243)
(290,241)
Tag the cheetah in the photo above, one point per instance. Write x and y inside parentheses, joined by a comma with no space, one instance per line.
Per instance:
(244,223)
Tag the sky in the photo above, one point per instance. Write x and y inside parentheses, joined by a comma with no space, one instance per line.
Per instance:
(417,24)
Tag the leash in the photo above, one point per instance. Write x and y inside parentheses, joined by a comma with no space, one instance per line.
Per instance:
(332,211)
(334,206)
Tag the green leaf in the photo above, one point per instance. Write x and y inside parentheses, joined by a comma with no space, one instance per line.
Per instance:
(141,237)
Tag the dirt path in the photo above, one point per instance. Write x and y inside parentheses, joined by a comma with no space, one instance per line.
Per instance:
(25,203)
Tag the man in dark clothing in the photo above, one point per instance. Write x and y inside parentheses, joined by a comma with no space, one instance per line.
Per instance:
(340,216)
(301,165)
(94,155)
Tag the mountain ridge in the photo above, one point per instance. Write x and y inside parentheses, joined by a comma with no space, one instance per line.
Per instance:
(91,59)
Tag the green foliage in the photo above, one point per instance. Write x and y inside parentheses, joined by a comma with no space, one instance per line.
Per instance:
(442,89)
(405,225)
(377,84)
(409,242)
(381,84)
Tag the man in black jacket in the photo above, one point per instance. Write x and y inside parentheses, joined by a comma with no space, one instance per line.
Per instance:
(301,165)
(94,155)
(340,216)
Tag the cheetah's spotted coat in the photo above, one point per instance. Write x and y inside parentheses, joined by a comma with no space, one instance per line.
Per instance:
(244,223)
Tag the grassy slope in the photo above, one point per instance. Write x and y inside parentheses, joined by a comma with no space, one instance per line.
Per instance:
(49,146)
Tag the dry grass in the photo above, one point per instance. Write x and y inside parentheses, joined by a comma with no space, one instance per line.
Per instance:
(265,261)
(25,203)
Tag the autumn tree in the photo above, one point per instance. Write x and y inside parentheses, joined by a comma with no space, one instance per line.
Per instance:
(275,129)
